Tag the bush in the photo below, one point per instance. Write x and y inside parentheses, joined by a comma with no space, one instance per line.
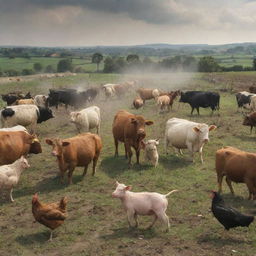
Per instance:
(11,72)
(26,72)
(208,64)
(65,65)
(37,67)
(49,69)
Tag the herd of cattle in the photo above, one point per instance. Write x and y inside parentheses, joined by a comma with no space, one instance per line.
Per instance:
(24,112)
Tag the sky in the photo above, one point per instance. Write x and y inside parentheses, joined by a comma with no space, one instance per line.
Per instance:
(126,22)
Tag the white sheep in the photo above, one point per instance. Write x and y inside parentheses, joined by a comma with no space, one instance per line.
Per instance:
(10,174)
(151,153)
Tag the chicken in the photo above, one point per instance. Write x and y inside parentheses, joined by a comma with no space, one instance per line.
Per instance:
(227,216)
(50,215)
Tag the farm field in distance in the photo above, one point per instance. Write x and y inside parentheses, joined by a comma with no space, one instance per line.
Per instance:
(96,224)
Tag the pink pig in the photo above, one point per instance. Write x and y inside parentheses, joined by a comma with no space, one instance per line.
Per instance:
(143,203)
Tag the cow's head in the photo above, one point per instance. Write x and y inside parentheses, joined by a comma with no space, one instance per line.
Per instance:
(44,114)
(247,120)
(139,124)
(74,116)
(35,146)
(183,97)
(57,146)
(202,130)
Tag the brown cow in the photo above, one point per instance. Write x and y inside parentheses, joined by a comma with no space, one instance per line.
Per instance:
(250,120)
(138,103)
(147,94)
(25,101)
(166,101)
(120,89)
(130,129)
(238,166)
(76,151)
(14,144)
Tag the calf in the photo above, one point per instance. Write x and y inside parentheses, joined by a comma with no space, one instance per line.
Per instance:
(80,151)
(86,119)
(250,120)
(181,134)
(243,99)
(151,153)
(25,101)
(143,203)
(130,129)
(10,174)
(41,100)
(147,94)
(14,144)
(238,166)
(138,103)
(11,98)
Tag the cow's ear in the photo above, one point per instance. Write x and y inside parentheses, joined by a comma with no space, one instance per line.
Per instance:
(212,127)
(133,121)
(49,141)
(128,187)
(196,129)
(148,122)
(65,143)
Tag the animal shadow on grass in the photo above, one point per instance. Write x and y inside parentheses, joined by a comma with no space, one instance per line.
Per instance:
(173,162)
(114,166)
(27,240)
(130,233)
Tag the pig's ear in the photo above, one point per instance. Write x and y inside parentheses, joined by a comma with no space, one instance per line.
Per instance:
(117,183)
(148,122)
(157,141)
(128,187)
(212,127)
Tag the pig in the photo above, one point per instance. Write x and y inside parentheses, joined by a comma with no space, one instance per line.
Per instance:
(143,203)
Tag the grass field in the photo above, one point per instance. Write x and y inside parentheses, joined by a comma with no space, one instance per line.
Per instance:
(22,63)
(96,224)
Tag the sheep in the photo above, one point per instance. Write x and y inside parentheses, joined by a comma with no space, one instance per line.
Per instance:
(151,153)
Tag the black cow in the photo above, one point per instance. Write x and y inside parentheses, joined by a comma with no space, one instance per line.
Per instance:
(44,114)
(10,98)
(243,98)
(200,99)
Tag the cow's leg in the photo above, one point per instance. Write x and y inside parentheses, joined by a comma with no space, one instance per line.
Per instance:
(190,148)
(94,164)
(136,219)
(180,151)
(192,110)
(166,144)
(138,155)
(197,109)
(98,129)
(219,180)
(250,185)
(11,195)
(116,147)
(251,129)
(228,181)
(70,173)
(129,152)
(85,170)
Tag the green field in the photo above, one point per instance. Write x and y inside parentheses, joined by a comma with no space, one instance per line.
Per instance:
(22,63)
(96,224)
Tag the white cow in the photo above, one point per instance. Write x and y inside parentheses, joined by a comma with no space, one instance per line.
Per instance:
(86,119)
(143,203)
(184,134)
(41,100)
(14,129)
(109,90)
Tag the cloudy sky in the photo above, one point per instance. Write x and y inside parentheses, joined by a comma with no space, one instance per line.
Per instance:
(126,22)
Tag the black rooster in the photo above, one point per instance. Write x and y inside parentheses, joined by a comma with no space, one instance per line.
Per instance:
(227,216)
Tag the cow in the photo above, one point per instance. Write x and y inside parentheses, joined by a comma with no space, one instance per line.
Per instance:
(129,129)
(143,203)
(243,99)
(109,90)
(14,144)
(252,89)
(197,99)
(26,115)
(41,100)
(252,106)
(238,166)
(184,134)
(89,95)
(25,101)
(11,98)
(250,120)
(86,119)
(138,103)
(78,151)
(147,94)
(166,101)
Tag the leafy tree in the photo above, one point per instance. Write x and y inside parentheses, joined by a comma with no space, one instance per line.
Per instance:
(254,63)
(109,65)
(37,67)
(208,64)
(65,65)
(97,58)
(132,58)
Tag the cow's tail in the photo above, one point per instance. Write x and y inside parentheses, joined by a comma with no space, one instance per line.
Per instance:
(175,190)
(218,103)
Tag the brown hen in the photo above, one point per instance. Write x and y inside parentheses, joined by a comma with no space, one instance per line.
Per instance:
(50,215)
